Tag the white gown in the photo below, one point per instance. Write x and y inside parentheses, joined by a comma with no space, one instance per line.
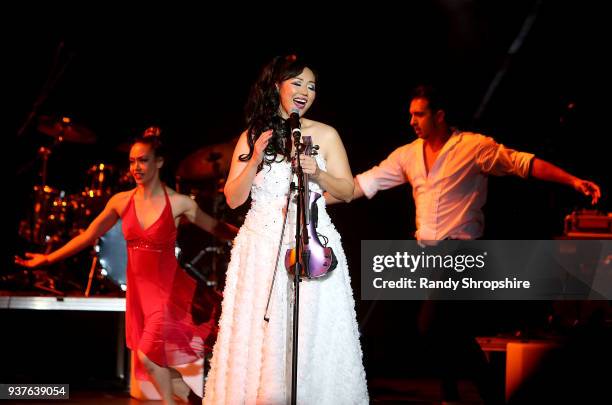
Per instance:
(251,363)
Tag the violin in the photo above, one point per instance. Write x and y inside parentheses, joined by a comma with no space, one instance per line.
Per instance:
(317,259)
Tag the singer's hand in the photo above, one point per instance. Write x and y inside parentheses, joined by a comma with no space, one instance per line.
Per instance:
(260,146)
(309,166)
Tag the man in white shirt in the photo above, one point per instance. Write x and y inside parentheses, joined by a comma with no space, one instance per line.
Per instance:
(448,171)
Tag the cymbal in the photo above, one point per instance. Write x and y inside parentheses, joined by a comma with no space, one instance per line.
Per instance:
(207,162)
(65,129)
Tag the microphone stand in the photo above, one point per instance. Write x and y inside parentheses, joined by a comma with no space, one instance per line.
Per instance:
(298,262)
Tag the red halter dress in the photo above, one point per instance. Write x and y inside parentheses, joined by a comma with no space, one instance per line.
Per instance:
(168,317)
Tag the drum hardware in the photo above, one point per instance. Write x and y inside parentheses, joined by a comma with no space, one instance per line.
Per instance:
(92,270)
(100,179)
(210,278)
(42,194)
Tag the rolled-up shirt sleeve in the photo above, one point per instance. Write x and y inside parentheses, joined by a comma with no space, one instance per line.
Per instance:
(495,159)
(389,173)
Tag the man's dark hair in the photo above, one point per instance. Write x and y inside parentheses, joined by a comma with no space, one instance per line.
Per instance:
(437,100)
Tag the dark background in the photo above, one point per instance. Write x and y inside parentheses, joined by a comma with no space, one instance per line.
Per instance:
(189,71)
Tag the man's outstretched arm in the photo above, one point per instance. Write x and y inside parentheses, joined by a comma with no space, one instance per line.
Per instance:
(543,170)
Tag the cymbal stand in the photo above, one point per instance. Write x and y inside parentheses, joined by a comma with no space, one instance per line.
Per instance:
(40,208)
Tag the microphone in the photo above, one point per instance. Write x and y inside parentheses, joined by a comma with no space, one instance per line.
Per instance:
(294,122)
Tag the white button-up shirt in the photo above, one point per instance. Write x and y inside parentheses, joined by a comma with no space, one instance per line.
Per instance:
(450,197)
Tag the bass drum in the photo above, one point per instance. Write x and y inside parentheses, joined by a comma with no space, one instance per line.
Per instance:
(112,255)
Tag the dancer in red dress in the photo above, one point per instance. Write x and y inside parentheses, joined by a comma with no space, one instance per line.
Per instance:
(163,325)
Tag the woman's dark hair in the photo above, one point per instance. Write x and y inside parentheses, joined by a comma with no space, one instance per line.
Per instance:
(152,137)
(262,106)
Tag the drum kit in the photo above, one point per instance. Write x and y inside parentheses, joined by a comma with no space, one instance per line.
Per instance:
(56,216)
